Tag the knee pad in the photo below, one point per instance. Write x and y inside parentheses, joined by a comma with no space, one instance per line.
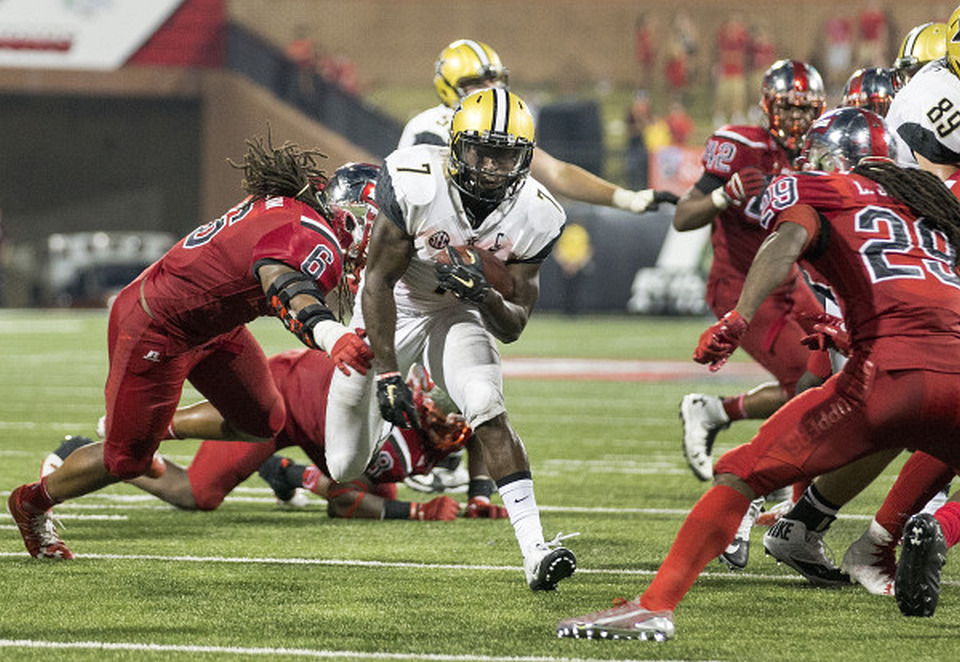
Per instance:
(483,402)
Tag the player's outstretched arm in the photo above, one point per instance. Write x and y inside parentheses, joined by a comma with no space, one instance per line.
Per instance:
(354,500)
(572,181)
(296,299)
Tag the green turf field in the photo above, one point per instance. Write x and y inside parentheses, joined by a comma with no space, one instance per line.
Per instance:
(252,582)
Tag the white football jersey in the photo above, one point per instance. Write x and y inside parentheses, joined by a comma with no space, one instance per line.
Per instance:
(924,116)
(522,228)
(431,127)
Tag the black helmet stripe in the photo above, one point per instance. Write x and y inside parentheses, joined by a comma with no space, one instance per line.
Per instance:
(501,111)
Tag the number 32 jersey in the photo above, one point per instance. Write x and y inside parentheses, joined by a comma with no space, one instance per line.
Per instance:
(893,273)
(415,193)
(924,117)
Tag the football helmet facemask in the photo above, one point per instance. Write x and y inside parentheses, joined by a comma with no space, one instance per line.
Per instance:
(793,97)
(349,195)
(922,44)
(953,41)
(842,137)
(872,88)
(467,64)
(491,145)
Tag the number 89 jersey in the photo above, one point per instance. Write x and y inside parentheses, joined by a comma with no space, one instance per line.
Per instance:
(893,273)
(925,116)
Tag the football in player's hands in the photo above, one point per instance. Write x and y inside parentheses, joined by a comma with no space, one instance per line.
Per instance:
(494,269)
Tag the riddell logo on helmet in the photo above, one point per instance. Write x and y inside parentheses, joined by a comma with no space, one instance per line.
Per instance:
(439,240)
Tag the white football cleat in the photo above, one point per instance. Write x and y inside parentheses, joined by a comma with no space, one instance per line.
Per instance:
(788,541)
(871,560)
(54,460)
(625,620)
(702,417)
(549,563)
(737,553)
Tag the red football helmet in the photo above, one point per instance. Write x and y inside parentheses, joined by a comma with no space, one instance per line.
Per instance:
(442,432)
(349,195)
(793,97)
(842,137)
(872,88)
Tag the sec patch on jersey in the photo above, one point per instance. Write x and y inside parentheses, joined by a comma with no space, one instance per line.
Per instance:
(494,269)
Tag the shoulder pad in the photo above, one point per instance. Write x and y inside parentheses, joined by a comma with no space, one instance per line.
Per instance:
(416,172)
(753,136)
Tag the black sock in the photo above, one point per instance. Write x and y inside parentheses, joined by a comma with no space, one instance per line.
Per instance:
(814,511)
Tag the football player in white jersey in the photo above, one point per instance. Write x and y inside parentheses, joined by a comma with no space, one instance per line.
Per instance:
(426,299)
(925,115)
(466,66)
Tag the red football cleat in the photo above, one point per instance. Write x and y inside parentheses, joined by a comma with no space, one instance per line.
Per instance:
(36,528)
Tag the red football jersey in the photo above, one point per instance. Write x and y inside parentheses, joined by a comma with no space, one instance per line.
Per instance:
(303,377)
(735,234)
(893,272)
(205,285)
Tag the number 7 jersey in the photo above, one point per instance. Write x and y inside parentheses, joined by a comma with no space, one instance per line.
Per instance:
(893,273)
(415,193)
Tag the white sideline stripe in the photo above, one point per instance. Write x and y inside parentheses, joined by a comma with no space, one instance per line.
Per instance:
(297,652)
(354,563)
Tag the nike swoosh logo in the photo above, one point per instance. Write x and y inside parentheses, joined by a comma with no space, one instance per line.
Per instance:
(521,499)
(465,283)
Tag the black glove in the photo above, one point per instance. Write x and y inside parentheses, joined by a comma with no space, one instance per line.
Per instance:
(665,196)
(463,276)
(396,401)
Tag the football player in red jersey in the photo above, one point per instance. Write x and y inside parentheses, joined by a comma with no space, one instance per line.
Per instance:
(737,162)
(886,240)
(278,252)
(303,378)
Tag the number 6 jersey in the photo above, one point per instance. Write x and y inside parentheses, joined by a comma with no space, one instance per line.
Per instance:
(893,273)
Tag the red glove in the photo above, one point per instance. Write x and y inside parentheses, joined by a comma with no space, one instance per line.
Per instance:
(744,185)
(828,333)
(351,351)
(480,507)
(442,508)
(719,341)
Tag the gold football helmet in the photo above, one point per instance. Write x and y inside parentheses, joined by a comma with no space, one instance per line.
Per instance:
(922,44)
(953,41)
(491,145)
(466,64)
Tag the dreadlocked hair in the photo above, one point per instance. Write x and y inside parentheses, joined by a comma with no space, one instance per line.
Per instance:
(286,170)
(920,190)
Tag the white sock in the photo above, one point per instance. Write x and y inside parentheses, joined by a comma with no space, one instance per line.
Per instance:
(521,505)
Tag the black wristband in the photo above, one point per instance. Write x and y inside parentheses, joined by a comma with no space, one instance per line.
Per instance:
(396,509)
(480,487)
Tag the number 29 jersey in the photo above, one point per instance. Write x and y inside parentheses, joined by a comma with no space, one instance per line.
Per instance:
(415,193)
(893,272)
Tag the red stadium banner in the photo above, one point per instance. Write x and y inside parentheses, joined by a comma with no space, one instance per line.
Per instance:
(95,34)
(675,168)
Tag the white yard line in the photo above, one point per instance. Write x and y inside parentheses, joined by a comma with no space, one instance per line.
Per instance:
(291,652)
